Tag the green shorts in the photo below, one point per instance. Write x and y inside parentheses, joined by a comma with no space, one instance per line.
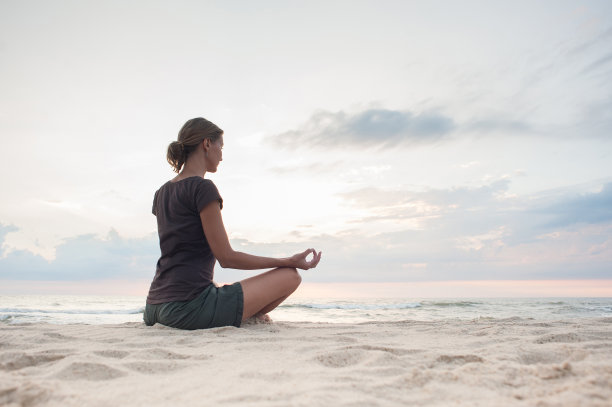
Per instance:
(215,306)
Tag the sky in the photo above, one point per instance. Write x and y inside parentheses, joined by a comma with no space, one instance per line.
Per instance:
(410,141)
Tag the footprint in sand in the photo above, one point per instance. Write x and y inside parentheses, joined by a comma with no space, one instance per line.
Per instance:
(537,357)
(459,359)
(554,372)
(89,371)
(393,351)
(115,354)
(341,358)
(563,338)
(152,367)
(19,360)
(24,395)
(157,353)
(55,335)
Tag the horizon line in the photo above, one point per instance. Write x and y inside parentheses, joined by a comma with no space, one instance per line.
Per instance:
(575,288)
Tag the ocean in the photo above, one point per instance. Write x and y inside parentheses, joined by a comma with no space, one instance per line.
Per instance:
(88,309)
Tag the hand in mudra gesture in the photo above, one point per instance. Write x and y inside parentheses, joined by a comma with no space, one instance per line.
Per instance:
(299,260)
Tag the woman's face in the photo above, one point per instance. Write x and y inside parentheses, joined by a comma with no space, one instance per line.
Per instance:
(215,155)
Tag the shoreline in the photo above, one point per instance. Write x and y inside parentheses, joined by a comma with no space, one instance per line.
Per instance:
(510,361)
(98,310)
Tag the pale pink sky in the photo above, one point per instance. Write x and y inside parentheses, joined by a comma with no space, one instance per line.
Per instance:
(423,289)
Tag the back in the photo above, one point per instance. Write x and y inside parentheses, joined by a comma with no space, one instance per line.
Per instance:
(186,265)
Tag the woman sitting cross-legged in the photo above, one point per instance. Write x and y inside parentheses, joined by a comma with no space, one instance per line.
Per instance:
(192,238)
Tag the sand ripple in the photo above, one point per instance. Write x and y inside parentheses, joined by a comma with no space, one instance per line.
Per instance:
(509,362)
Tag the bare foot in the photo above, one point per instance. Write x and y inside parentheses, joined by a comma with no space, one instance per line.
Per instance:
(258,319)
(263,318)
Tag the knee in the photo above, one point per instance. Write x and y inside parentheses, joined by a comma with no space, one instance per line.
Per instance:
(298,278)
(294,277)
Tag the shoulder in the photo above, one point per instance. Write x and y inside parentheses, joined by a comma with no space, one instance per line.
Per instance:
(203,183)
(160,192)
(205,191)
(163,187)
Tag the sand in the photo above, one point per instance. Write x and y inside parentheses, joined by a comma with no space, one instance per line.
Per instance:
(509,362)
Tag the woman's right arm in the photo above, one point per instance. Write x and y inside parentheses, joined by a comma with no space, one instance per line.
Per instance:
(214,229)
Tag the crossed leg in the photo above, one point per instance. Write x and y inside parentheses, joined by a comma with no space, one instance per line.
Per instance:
(266,291)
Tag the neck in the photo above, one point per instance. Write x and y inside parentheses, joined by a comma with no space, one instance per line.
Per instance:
(193,169)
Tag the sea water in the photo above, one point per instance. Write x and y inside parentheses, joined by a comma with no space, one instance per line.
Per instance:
(84,309)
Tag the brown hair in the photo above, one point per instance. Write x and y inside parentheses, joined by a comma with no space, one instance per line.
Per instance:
(190,136)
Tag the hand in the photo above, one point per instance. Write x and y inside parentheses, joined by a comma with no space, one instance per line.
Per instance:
(299,260)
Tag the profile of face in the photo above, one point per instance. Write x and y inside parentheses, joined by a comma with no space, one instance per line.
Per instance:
(215,154)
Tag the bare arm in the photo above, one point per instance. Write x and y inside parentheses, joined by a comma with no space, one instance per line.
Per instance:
(214,229)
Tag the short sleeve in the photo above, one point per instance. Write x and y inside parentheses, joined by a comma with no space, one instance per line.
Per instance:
(206,192)
(154,209)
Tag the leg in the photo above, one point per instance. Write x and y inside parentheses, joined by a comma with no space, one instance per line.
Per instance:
(264,292)
(273,305)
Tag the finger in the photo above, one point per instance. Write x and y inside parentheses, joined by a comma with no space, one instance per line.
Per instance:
(315,259)
(302,256)
(318,258)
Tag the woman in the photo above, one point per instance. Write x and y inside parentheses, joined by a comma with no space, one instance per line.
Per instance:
(192,237)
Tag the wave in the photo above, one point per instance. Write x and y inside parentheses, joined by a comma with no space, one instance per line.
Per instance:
(384,306)
(68,311)
(453,303)
(590,308)
(355,306)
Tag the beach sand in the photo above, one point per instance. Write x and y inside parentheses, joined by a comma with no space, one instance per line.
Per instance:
(483,362)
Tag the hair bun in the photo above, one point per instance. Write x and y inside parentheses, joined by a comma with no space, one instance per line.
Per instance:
(192,133)
(176,155)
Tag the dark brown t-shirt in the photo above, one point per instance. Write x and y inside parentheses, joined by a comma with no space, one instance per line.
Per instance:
(186,265)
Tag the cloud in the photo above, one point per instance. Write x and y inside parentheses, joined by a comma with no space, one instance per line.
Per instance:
(602,38)
(370,128)
(591,208)
(592,47)
(597,64)
(495,125)
(463,234)
(487,205)
(354,256)
(597,119)
(484,232)
(4,230)
(86,257)
(311,168)
(404,203)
